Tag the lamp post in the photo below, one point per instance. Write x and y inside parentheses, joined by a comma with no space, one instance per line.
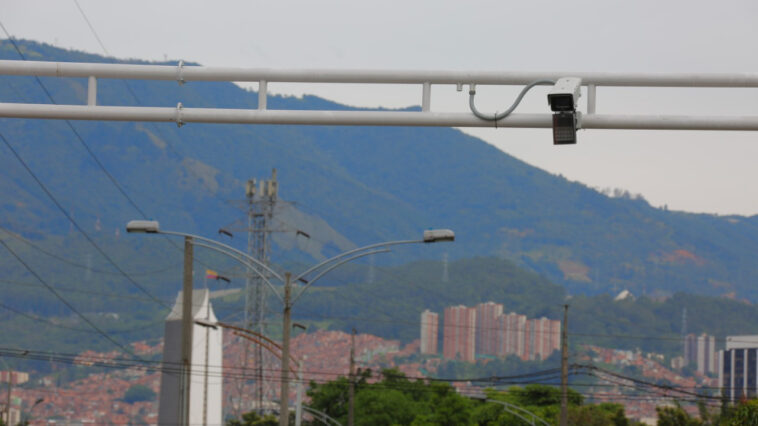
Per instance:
(320,269)
(517,411)
(28,417)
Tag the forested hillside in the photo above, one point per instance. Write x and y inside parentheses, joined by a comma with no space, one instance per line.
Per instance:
(69,188)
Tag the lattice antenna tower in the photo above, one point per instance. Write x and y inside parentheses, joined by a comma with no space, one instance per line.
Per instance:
(261,200)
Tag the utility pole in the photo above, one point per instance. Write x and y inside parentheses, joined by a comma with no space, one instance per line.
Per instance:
(286,326)
(299,402)
(564,368)
(187,324)
(8,403)
(351,394)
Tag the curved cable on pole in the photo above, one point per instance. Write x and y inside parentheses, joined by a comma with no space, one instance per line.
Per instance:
(500,116)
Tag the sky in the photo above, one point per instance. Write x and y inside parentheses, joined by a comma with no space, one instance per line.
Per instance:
(710,172)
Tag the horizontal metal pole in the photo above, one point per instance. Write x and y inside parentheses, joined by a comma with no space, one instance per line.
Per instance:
(198,73)
(366,118)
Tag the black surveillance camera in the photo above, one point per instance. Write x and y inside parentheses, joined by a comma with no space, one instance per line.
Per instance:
(565,94)
(563,99)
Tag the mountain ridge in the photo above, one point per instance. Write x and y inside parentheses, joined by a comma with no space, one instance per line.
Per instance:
(369,183)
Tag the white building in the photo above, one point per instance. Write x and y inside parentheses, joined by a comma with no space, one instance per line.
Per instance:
(706,354)
(206,365)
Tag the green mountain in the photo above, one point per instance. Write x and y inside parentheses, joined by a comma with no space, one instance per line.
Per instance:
(349,186)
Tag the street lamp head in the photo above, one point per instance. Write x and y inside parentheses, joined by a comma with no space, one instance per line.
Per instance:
(143,226)
(437,235)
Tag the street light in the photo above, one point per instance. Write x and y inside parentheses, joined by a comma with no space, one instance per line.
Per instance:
(28,416)
(517,411)
(320,269)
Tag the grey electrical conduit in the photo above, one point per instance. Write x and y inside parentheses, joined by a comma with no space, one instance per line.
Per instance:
(496,117)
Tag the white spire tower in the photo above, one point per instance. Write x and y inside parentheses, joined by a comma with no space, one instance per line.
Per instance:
(206,374)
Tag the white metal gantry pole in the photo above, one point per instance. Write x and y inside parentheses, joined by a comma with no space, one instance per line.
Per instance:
(424,79)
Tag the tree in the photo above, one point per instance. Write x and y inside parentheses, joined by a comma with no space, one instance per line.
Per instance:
(254,419)
(138,393)
(675,416)
(604,414)
(745,414)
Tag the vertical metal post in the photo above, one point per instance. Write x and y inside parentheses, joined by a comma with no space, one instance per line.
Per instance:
(426,97)
(286,324)
(351,395)
(205,376)
(299,402)
(8,403)
(187,324)
(262,94)
(591,98)
(564,368)
(92,91)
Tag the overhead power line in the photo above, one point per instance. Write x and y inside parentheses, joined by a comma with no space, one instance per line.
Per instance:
(76,224)
(65,302)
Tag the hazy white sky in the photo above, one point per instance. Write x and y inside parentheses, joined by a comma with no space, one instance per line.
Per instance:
(711,172)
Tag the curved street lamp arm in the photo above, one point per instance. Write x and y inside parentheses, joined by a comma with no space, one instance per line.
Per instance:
(244,261)
(322,273)
(513,409)
(267,347)
(321,413)
(349,252)
(230,248)
(258,335)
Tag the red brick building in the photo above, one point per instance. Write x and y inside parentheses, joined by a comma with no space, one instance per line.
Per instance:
(459,333)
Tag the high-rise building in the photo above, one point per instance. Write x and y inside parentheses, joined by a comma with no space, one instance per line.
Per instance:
(511,340)
(206,373)
(690,349)
(429,332)
(706,354)
(487,327)
(543,336)
(738,368)
(459,333)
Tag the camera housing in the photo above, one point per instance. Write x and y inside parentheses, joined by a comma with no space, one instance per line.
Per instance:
(565,94)
(563,99)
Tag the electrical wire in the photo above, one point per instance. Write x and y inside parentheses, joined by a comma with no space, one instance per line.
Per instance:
(76,224)
(79,265)
(79,137)
(65,302)
(507,112)
(83,330)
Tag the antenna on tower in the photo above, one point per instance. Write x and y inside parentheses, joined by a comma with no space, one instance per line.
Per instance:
(371,271)
(445,277)
(261,198)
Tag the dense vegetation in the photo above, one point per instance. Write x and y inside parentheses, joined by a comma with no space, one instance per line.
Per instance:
(396,400)
(388,307)
(138,393)
(393,399)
